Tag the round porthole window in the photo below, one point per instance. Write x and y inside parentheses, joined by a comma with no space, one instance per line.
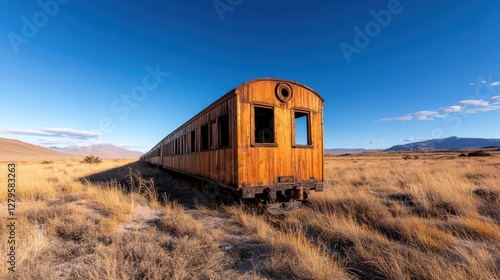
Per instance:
(284,92)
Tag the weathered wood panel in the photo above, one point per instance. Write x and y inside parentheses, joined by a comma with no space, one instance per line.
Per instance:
(216,163)
(262,165)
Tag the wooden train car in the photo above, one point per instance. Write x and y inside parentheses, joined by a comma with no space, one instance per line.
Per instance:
(263,139)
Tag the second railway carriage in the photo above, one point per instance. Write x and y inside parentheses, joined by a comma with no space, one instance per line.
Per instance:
(263,139)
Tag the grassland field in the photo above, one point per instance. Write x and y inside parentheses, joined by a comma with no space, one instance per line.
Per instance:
(433,215)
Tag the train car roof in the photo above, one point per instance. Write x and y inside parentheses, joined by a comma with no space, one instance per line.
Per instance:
(282,80)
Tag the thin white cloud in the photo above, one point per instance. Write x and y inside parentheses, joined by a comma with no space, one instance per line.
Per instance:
(403,118)
(425,115)
(470,106)
(482,109)
(370,142)
(478,83)
(495,99)
(495,84)
(470,103)
(54,132)
(451,109)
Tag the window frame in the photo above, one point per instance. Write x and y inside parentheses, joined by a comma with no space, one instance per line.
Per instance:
(253,143)
(219,131)
(202,149)
(192,139)
(310,143)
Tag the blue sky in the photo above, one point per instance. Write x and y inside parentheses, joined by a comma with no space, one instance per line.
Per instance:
(129,72)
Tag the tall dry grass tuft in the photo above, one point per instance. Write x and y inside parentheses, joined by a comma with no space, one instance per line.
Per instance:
(146,188)
(110,198)
(292,254)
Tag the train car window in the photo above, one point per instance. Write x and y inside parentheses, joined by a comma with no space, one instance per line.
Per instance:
(204,137)
(264,125)
(223,122)
(301,128)
(193,141)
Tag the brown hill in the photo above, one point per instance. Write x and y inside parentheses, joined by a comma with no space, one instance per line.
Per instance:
(15,150)
(102,151)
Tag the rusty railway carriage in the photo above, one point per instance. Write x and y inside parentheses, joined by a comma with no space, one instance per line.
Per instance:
(263,139)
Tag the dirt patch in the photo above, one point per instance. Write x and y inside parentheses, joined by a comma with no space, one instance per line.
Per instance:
(143,218)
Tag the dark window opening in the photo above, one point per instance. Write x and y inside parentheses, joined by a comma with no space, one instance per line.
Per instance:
(193,141)
(223,131)
(302,128)
(285,92)
(264,125)
(204,137)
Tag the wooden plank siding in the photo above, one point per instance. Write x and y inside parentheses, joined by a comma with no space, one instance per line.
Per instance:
(262,165)
(216,163)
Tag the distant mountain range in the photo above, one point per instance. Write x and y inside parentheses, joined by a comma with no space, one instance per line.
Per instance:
(449,143)
(101,150)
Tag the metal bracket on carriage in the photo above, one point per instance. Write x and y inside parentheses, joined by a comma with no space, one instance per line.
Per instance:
(281,208)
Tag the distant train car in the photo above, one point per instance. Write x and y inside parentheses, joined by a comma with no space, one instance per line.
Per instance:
(263,139)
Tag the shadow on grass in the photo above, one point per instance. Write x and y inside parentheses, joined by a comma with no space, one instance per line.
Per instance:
(170,185)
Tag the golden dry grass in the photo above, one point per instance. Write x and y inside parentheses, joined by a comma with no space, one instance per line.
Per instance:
(380,217)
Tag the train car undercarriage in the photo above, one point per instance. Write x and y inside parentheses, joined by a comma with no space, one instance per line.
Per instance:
(280,199)
(276,200)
